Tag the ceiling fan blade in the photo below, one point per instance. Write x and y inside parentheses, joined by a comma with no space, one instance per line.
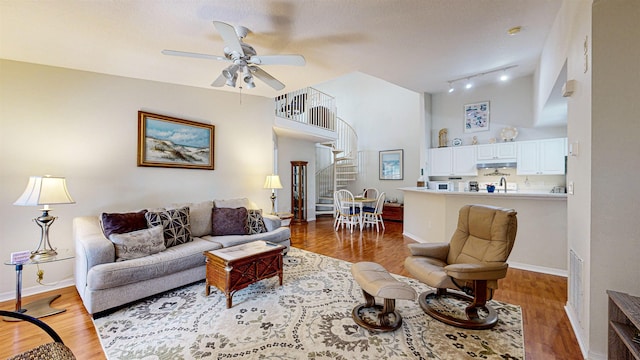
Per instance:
(228,33)
(194,55)
(219,82)
(266,78)
(297,60)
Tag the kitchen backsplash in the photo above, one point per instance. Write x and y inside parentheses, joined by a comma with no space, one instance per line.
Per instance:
(530,183)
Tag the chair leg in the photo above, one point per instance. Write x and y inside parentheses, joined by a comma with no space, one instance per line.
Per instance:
(386,322)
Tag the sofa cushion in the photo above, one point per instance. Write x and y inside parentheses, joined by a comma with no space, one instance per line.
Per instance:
(255,223)
(199,217)
(138,243)
(175,225)
(119,223)
(171,261)
(235,203)
(228,221)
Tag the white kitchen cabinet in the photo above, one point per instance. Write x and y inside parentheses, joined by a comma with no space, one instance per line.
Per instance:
(542,157)
(497,152)
(453,161)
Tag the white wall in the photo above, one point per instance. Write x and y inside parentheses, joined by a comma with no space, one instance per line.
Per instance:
(292,149)
(615,150)
(83,126)
(385,117)
(511,104)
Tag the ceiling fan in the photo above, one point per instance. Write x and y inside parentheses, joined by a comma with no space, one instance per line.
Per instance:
(243,59)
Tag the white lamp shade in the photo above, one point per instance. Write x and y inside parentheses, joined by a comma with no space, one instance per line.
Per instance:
(272,182)
(45,190)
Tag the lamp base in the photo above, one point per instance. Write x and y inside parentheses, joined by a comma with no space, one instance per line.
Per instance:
(42,254)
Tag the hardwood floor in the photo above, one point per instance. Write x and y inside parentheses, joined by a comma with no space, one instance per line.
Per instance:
(547,332)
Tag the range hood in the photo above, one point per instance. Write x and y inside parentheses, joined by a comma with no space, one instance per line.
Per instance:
(497,165)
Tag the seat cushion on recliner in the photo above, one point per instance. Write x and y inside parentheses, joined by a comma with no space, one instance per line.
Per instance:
(429,271)
(172,260)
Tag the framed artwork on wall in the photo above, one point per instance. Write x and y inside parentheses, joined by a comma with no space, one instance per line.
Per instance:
(476,117)
(391,167)
(165,141)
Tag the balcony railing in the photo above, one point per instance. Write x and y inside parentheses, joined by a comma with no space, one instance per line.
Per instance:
(308,106)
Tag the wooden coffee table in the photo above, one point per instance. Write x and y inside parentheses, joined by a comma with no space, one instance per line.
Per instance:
(236,267)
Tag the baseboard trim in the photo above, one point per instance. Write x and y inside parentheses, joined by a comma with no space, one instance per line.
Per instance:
(33,290)
(576,330)
(539,269)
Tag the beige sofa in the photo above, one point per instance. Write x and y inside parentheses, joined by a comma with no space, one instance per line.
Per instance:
(105,283)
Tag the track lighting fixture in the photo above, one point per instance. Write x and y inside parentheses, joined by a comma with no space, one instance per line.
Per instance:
(468,79)
(468,85)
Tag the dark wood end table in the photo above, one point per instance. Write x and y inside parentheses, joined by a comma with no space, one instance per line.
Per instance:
(236,267)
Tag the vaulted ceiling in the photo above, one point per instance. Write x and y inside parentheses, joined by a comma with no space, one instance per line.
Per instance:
(416,44)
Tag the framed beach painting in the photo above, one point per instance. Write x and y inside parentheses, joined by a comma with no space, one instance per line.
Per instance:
(391,167)
(165,141)
(476,117)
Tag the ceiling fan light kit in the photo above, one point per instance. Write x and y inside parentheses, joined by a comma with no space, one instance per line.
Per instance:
(244,58)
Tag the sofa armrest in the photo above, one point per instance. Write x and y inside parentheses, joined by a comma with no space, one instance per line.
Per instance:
(272,222)
(92,248)
(433,250)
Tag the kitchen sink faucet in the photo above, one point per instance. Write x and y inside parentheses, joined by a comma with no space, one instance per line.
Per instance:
(505,183)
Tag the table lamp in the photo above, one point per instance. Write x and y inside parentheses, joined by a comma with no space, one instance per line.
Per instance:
(45,190)
(273,182)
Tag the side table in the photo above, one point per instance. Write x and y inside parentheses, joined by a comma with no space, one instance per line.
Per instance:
(39,308)
(285,218)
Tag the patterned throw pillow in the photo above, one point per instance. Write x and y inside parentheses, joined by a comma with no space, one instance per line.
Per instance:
(175,225)
(138,243)
(228,221)
(255,223)
(120,223)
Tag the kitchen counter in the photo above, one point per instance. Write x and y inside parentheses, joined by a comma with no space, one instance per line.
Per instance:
(516,194)
(541,241)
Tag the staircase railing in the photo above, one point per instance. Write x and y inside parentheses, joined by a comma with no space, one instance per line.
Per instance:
(342,171)
(308,106)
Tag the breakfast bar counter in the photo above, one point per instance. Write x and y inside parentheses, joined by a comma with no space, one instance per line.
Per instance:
(541,242)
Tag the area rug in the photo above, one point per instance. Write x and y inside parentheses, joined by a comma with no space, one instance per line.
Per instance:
(309,317)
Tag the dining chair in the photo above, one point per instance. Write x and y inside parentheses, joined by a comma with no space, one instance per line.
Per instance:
(373,216)
(347,211)
(370,193)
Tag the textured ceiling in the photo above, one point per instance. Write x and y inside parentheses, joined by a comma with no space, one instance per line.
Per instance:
(416,44)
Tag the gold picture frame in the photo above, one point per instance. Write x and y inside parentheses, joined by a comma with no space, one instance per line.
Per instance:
(165,141)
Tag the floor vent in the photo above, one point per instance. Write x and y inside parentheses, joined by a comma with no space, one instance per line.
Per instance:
(576,291)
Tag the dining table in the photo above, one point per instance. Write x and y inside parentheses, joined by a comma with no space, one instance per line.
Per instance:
(360,202)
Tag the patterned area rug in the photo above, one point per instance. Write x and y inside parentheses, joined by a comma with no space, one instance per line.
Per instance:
(309,317)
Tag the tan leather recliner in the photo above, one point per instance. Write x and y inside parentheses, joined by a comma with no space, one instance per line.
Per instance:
(471,262)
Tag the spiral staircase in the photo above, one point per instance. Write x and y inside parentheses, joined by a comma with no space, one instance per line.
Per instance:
(336,145)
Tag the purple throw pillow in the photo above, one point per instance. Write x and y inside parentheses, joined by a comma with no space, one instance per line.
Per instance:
(227,221)
(120,223)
